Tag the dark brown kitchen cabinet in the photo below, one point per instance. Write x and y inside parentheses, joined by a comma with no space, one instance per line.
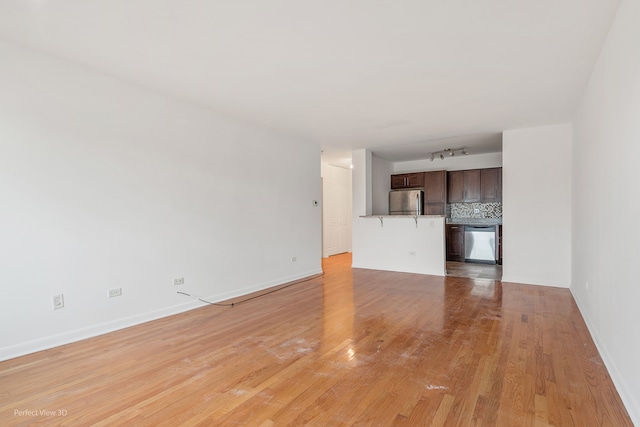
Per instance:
(499,244)
(491,184)
(455,242)
(435,187)
(455,187)
(472,186)
(475,185)
(464,186)
(398,181)
(407,180)
(435,192)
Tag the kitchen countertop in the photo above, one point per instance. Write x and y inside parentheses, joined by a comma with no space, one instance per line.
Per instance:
(474,221)
(463,221)
(400,216)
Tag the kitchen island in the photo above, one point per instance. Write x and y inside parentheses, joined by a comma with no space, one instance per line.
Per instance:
(405,243)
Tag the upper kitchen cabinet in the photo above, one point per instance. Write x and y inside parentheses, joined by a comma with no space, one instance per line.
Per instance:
(491,184)
(407,180)
(455,187)
(435,192)
(475,185)
(464,186)
(435,189)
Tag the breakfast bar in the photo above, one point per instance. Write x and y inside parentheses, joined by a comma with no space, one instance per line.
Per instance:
(411,244)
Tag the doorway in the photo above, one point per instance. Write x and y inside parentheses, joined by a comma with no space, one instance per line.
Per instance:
(336,210)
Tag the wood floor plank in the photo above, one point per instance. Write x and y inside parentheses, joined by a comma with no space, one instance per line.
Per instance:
(353,347)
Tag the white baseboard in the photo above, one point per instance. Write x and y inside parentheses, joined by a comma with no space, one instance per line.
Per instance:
(57,340)
(533,281)
(631,404)
(418,270)
(68,337)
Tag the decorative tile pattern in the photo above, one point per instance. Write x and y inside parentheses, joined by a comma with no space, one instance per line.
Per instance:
(467,210)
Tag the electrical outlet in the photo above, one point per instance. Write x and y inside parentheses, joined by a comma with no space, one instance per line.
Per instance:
(115,292)
(294,259)
(412,253)
(178,281)
(476,210)
(58,302)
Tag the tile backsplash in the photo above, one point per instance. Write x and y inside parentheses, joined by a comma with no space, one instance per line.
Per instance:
(467,210)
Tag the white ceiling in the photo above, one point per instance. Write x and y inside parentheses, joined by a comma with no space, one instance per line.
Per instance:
(400,77)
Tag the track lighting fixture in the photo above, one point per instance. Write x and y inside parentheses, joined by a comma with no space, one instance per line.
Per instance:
(448,151)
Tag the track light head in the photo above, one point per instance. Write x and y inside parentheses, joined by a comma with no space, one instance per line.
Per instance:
(447,151)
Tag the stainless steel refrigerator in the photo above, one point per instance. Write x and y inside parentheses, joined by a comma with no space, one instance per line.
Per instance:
(405,202)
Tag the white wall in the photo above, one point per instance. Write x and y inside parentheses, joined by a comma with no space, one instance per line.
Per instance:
(361,189)
(606,204)
(536,193)
(475,161)
(397,244)
(381,171)
(108,185)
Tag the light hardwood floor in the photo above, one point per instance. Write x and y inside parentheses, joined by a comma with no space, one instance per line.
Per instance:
(353,347)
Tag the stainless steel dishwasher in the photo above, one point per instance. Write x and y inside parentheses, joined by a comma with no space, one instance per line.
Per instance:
(480,243)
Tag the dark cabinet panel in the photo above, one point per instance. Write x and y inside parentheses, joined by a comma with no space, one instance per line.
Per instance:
(491,184)
(455,242)
(398,181)
(435,192)
(475,185)
(455,187)
(415,180)
(472,185)
(435,188)
(434,209)
(464,186)
(407,180)
(500,244)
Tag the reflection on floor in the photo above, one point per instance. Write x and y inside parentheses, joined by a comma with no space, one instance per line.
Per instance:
(474,271)
(352,347)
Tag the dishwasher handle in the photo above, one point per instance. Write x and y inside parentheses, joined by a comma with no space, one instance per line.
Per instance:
(485,228)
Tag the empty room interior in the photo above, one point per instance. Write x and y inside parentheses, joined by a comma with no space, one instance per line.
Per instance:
(319,213)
